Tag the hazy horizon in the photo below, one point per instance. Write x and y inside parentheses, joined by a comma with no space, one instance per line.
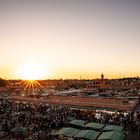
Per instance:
(80,78)
(69,38)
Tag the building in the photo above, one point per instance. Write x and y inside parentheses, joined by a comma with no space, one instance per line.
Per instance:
(101,83)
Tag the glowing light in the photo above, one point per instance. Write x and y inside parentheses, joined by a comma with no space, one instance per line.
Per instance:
(30,71)
(31,85)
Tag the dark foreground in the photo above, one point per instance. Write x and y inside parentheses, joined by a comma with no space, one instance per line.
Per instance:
(42,120)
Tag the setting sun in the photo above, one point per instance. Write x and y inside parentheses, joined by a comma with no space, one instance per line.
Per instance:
(30,71)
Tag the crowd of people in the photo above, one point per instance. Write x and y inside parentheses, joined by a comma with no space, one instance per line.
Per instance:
(40,120)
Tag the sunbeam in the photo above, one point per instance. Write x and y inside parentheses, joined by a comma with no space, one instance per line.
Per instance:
(30,86)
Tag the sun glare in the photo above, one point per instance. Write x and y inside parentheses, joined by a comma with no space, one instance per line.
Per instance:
(30,85)
(30,71)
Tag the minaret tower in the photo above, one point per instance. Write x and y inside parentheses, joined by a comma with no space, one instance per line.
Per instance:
(102,76)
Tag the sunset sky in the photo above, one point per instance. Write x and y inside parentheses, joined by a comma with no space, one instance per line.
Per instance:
(70,38)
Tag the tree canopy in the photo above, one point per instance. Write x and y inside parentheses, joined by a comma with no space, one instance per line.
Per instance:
(2,82)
